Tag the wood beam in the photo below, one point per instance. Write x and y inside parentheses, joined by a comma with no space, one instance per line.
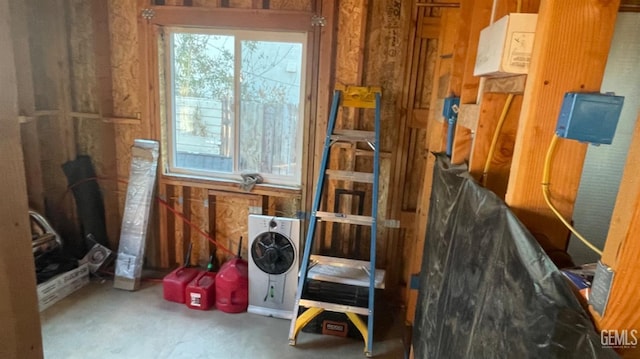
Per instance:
(228,17)
(569,54)
(622,250)
(20,329)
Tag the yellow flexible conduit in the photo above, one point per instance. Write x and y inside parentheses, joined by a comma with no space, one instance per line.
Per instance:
(494,140)
(546,175)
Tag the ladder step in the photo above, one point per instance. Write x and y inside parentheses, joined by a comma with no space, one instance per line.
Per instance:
(333,307)
(354,135)
(363,177)
(345,218)
(343,271)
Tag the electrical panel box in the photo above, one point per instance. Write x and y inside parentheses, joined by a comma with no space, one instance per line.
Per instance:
(450,108)
(505,47)
(589,117)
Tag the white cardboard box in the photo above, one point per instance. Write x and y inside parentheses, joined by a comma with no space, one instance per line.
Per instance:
(62,285)
(505,47)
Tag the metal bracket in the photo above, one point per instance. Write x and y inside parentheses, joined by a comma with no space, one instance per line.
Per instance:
(147,14)
(318,20)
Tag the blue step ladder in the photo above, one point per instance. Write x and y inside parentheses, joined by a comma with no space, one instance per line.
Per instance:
(343,270)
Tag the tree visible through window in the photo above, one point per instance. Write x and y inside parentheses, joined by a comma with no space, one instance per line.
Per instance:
(235,103)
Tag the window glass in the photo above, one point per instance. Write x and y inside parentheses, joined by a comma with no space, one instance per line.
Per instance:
(236,103)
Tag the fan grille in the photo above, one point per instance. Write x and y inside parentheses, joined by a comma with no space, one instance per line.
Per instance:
(273,253)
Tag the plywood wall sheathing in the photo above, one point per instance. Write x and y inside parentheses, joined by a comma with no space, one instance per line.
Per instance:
(83,79)
(126,72)
(33,169)
(26,105)
(232,214)
(124,57)
(565,32)
(22,55)
(49,60)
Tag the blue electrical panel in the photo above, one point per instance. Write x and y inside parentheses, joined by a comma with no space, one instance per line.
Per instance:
(449,104)
(450,112)
(589,117)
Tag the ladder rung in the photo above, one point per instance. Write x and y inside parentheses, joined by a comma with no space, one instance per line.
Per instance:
(354,135)
(334,307)
(345,218)
(351,176)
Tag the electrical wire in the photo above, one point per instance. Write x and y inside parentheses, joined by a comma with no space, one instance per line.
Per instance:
(546,175)
(203,233)
(494,140)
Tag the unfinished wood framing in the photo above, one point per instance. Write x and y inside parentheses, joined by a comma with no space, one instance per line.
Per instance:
(20,329)
(83,78)
(566,30)
(389,25)
(450,22)
(476,15)
(411,161)
(352,22)
(491,108)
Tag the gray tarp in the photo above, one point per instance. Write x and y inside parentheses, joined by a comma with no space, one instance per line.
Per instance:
(487,289)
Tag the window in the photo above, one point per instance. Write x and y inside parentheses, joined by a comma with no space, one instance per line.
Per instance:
(234,101)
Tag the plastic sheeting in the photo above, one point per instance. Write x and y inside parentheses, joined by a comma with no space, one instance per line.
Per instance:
(137,209)
(487,289)
(86,191)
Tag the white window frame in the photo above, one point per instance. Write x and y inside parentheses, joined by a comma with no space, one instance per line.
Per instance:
(170,110)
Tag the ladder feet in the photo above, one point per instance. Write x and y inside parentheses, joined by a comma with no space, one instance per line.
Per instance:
(292,342)
(368,354)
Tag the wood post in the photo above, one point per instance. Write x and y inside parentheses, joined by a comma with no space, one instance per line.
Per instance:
(20,329)
(570,52)
(622,250)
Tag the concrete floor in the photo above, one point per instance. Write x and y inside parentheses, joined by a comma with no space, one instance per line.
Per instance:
(101,322)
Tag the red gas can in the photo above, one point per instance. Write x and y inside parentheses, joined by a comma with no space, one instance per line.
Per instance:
(201,292)
(232,286)
(175,283)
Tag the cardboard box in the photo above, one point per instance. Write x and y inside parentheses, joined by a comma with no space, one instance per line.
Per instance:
(506,46)
(60,286)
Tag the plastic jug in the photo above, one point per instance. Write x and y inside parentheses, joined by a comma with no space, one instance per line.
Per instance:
(232,286)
